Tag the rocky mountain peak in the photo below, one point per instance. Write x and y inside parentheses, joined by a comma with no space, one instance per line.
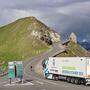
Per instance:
(73,37)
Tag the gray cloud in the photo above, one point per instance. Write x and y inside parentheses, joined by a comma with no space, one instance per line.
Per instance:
(65,16)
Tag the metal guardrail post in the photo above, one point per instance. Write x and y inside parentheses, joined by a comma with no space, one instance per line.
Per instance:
(10,81)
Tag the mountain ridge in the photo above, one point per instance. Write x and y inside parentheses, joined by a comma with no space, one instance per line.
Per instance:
(24,39)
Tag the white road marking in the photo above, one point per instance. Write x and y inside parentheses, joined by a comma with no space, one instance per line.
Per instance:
(28,83)
(15,84)
(9,85)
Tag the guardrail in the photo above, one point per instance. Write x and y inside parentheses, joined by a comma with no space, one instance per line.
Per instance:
(3,74)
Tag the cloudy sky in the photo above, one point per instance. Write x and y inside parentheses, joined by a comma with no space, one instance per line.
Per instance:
(64,16)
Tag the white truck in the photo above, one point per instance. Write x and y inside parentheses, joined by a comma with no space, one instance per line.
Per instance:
(74,70)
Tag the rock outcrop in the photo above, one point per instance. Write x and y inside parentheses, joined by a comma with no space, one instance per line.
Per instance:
(73,37)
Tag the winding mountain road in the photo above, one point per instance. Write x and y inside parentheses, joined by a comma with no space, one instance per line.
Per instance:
(36,61)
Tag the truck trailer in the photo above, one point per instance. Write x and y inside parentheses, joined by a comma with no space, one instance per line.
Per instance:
(74,70)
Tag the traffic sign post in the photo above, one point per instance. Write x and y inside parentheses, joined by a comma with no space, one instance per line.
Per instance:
(19,66)
(15,70)
(11,72)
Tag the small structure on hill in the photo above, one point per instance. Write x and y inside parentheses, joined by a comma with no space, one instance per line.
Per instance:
(65,43)
(73,37)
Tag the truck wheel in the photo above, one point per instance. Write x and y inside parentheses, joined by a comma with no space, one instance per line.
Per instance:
(77,81)
(68,79)
(72,80)
(84,82)
(55,77)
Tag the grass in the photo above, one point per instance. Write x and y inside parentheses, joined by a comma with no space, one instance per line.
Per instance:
(73,50)
(17,43)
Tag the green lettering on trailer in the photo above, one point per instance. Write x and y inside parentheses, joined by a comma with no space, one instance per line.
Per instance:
(69,68)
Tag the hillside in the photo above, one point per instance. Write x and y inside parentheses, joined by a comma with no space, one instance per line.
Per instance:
(24,39)
(73,50)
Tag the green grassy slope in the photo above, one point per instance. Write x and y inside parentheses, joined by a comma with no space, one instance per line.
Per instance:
(73,50)
(16,41)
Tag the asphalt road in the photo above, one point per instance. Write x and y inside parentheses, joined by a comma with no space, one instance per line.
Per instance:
(37,82)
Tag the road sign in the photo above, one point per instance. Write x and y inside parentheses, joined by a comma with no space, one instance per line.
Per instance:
(11,72)
(15,69)
(19,66)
